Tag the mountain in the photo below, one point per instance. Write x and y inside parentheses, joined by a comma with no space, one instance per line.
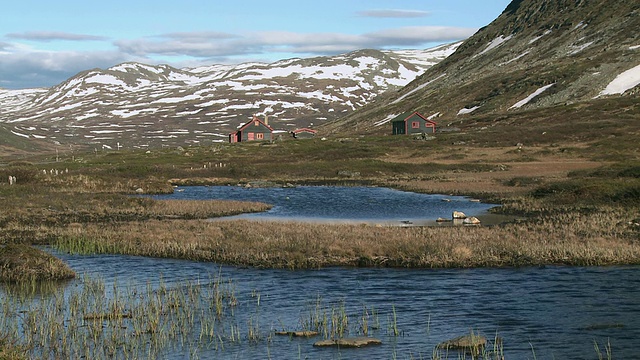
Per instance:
(538,54)
(137,105)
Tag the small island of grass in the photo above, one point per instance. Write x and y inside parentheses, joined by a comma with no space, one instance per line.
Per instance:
(23,263)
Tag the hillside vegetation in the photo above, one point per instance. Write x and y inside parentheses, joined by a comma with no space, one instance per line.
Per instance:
(538,54)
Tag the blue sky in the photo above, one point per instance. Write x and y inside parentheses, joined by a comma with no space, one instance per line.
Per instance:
(42,43)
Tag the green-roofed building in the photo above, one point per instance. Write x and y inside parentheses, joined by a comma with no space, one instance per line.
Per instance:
(412,123)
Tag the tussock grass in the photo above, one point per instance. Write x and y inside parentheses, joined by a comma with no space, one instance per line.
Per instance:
(23,263)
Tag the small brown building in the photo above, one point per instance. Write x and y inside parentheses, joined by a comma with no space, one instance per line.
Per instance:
(412,123)
(255,129)
(304,133)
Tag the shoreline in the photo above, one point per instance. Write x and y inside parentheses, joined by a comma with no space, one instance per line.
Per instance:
(486,219)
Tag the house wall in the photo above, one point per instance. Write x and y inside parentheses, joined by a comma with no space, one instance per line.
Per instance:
(259,134)
(422,126)
(398,127)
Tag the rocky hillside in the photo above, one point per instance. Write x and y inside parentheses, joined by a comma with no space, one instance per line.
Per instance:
(537,54)
(134,105)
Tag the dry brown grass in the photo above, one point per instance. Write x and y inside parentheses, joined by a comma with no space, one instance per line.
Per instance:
(603,238)
(23,263)
(540,163)
(202,209)
(29,212)
(9,351)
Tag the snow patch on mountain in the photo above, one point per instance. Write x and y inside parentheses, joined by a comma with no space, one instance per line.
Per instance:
(533,95)
(623,82)
(495,43)
(464,111)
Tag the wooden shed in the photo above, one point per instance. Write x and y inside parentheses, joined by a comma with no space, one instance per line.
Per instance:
(255,129)
(304,133)
(412,123)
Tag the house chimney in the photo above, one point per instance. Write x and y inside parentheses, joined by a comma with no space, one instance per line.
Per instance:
(266,119)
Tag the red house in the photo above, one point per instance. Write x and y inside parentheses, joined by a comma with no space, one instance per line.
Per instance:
(255,129)
(303,133)
(412,123)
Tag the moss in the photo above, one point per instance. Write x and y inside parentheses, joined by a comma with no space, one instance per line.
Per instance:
(20,263)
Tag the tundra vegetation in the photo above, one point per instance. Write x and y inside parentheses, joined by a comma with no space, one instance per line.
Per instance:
(578,197)
(574,194)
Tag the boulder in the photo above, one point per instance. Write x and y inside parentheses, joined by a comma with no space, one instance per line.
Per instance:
(458,215)
(440,219)
(349,342)
(471,221)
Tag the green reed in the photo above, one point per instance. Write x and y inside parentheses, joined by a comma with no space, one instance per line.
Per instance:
(94,321)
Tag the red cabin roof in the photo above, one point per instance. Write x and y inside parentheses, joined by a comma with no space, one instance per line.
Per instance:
(297,131)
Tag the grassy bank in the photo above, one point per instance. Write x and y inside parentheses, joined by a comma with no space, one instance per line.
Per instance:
(23,263)
(578,237)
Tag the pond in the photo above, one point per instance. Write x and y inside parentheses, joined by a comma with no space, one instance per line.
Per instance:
(184,309)
(341,204)
(542,313)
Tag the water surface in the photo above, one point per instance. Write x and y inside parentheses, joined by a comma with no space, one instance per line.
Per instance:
(558,311)
(340,204)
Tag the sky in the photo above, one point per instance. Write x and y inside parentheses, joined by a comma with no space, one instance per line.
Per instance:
(43,43)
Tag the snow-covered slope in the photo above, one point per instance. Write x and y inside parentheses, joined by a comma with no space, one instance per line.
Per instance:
(138,105)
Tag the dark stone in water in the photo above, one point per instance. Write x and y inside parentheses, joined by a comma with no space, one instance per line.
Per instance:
(602,326)
(355,342)
(297,333)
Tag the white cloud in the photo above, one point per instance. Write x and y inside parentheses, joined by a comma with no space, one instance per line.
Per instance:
(53,35)
(24,66)
(257,43)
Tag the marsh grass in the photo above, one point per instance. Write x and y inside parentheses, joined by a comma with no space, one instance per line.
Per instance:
(97,322)
(583,237)
(607,351)
(30,212)
(93,320)
(26,264)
